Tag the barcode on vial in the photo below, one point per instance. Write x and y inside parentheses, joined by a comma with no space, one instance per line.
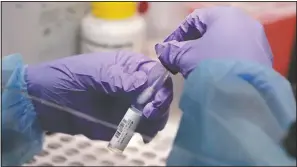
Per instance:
(120,128)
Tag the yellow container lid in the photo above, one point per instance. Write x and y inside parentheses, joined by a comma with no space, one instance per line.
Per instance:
(113,10)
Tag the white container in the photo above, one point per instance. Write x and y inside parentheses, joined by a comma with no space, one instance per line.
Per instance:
(98,34)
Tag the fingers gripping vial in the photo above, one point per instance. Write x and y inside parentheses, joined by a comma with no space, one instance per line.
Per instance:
(131,119)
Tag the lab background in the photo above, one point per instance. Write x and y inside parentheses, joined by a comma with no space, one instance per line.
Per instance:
(43,31)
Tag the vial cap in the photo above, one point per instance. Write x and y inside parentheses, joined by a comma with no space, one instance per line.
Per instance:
(113,10)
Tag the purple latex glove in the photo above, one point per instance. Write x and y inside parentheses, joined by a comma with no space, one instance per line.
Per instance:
(223,32)
(102,85)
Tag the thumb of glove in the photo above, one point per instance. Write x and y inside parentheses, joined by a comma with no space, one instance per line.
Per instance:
(171,55)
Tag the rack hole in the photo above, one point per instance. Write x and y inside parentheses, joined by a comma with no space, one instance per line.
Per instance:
(149,155)
(58,159)
(107,163)
(43,153)
(163,160)
(137,162)
(71,152)
(101,150)
(89,157)
(120,156)
(132,149)
(83,145)
(76,164)
(66,139)
(54,146)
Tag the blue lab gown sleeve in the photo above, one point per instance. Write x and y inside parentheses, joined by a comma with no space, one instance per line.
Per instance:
(21,135)
(234,113)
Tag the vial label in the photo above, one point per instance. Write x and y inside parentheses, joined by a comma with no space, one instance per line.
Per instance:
(88,46)
(125,130)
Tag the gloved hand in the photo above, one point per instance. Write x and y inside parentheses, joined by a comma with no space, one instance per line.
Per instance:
(102,85)
(236,108)
(214,33)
